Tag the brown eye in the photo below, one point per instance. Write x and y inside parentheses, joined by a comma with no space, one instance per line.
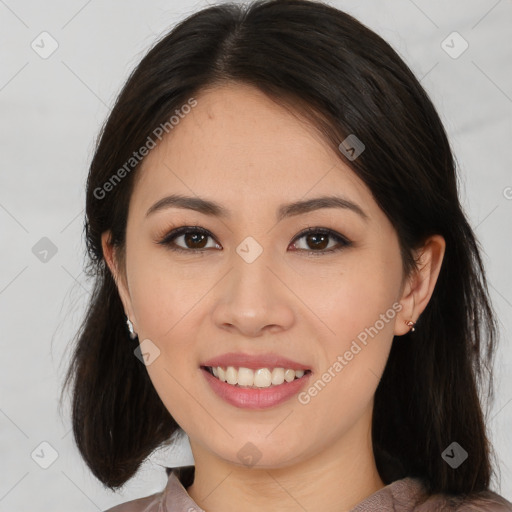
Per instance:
(195,240)
(191,239)
(317,240)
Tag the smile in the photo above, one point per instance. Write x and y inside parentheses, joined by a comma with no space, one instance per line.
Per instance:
(259,378)
(261,388)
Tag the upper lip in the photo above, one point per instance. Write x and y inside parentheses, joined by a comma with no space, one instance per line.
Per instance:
(254,362)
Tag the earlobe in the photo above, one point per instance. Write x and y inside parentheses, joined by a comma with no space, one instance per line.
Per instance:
(421,283)
(407,312)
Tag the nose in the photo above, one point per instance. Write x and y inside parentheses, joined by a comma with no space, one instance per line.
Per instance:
(254,298)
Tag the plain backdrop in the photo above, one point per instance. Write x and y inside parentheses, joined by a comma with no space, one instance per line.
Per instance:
(52,106)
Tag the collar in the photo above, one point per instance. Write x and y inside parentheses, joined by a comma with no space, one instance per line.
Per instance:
(398,495)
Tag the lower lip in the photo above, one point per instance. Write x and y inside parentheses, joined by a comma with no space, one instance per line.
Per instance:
(254,398)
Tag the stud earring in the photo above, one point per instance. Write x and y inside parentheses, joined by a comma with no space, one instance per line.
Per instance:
(411,324)
(133,334)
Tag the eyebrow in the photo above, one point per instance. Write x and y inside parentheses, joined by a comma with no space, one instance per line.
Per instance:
(212,208)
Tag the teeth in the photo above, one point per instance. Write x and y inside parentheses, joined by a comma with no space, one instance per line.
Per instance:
(289,375)
(245,377)
(231,375)
(277,376)
(261,378)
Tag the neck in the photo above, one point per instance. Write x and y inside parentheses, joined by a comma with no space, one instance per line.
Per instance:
(333,480)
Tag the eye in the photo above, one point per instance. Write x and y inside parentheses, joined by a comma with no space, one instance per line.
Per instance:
(193,237)
(194,240)
(318,238)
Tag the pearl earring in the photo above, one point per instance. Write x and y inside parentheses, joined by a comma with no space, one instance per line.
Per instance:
(133,334)
(410,323)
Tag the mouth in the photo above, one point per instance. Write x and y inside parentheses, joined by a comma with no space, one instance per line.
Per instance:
(260,378)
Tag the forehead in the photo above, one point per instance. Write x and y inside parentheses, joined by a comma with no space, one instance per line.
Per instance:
(240,147)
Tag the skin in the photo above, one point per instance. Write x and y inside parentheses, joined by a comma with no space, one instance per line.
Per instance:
(242,150)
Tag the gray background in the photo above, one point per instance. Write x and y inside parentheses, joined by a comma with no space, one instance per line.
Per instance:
(51,111)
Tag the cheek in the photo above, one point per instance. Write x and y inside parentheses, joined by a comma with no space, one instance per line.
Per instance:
(164,294)
(164,303)
(353,359)
(350,295)
(361,313)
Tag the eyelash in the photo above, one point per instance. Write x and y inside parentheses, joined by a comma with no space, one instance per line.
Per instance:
(168,239)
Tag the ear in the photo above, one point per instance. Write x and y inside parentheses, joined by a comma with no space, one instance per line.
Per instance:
(420,285)
(119,276)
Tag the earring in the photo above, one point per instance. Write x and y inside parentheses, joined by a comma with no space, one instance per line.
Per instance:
(410,323)
(133,334)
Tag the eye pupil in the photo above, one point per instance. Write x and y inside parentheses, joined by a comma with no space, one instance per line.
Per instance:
(315,238)
(194,239)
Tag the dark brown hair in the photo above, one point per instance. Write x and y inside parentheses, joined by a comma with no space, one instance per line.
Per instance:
(326,66)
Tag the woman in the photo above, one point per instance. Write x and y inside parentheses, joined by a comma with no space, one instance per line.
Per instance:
(284,273)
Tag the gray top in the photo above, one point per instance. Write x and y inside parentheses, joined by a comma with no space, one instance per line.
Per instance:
(405,495)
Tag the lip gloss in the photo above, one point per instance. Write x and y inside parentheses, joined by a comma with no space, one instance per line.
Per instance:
(255,398)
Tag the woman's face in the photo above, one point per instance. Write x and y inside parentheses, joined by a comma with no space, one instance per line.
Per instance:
(256,286)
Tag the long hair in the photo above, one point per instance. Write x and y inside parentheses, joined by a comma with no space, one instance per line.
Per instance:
(326,66)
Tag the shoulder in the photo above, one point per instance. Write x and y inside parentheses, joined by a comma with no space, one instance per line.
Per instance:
(147,504)
(485,501)
(173,497)
(410,494)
